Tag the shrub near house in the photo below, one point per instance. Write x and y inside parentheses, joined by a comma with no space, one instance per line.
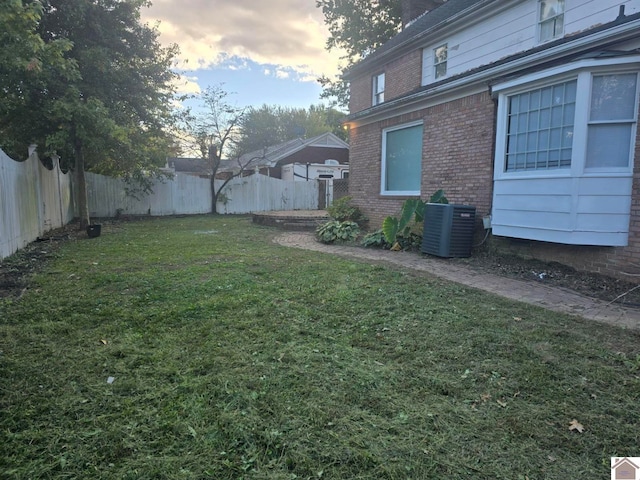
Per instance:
(525,109)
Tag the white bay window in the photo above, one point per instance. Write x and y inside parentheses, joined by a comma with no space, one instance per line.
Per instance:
(565,143)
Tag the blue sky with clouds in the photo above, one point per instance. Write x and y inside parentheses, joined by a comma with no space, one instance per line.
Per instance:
(263,52)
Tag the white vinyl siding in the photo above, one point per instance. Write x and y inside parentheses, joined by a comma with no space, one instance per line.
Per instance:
(401,160)
(513,27)
(587,199)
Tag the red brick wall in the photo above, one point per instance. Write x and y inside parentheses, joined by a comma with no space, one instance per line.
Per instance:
(457,157)
(403,75)
(360,93)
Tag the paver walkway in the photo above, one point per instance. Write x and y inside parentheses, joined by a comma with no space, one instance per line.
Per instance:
(552,298)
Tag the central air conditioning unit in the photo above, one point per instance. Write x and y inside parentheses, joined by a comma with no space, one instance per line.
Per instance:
(448,230)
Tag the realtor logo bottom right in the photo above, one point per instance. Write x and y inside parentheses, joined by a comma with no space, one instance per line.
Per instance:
(625,468)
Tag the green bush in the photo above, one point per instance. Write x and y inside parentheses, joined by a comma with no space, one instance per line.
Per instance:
(376,239)
(342,211)
(335,231)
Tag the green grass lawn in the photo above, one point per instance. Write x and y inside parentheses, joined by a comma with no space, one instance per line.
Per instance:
(233,357)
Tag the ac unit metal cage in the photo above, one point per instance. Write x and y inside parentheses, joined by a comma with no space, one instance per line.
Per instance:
(448,230)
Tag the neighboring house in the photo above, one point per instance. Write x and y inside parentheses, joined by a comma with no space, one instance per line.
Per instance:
(269,161)
(526,109)
(189,166)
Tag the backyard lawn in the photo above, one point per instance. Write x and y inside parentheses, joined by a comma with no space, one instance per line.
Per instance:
(192,348)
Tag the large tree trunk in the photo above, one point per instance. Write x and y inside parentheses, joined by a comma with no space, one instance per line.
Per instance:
(214,195)
(81,188)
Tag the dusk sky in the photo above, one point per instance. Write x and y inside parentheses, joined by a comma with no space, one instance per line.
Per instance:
(264,52)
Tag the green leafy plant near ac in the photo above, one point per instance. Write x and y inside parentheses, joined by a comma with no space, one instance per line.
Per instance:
(342,210)
(335,231)
(376,239)
(405,232)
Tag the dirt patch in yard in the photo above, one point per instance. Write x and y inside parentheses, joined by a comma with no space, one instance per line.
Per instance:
(17,269)
(556,274)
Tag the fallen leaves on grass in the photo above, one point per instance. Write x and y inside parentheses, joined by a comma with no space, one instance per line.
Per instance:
(576,425)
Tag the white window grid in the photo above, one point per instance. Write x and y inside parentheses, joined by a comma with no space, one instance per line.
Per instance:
(378,88)
(440,61)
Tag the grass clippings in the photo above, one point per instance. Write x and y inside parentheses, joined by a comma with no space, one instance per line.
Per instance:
(196,348)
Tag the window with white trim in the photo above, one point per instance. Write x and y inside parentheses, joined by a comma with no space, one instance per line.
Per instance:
(440,61)
(540,128)
(542,131)
(612,116)
(402,160)
(378,89)
(551,19)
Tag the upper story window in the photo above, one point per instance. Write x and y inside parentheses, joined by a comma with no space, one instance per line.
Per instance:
(378,89)
(440,61)
(551,19)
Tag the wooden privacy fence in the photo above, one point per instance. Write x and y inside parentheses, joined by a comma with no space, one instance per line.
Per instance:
(188,194)
(259,193)
(34,199)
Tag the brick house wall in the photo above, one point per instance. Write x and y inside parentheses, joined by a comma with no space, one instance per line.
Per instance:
(403,75)
(361,95)
(458,150)
(457,154)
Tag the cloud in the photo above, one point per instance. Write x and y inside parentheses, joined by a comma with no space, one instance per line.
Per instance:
(289,34)
(185,84)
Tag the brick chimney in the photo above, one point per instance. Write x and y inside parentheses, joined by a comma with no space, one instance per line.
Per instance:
(412,9)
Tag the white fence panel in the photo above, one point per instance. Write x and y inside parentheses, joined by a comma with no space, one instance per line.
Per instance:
(184,194)
(33,200)
(259,193)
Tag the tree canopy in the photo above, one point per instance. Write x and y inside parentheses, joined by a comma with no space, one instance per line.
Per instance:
(100,96)
(269,125)
(359,27)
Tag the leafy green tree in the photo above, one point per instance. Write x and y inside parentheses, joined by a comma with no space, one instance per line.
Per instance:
(108,113)
(270,125)
(359,27)
(27,66)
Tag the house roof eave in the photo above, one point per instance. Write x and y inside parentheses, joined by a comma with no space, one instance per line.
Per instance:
(617,31)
